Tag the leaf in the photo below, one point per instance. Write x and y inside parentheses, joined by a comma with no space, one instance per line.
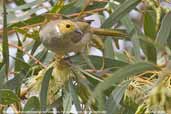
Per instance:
(31,21)
(136,47)
(72,7)
(96,5)
(119,12)
(7,97)
(32,105)
(165,30)
(19,2)
(41,56)
(2,76)
(19,55)
(5,48)
(57,7)
(25,6)
(125,72)
(113,103)
(108,48)
(120,75)
(150,24)
(128,23)
(67,102)
(74,95)
(98,62)
(35,46)
(149,50)
(16,82)
(44,89)
(23,65)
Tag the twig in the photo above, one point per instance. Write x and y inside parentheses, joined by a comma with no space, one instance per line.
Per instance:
(56,16)
(32,57)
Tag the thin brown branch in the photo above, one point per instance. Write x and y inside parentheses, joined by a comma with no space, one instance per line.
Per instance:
(32,57)
(55,16)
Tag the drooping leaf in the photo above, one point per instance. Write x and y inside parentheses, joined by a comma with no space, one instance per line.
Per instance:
(99,61)
(119,12)
(108,48)
(16,82)
(72,7)
(120,75)
(31,21)
(149,50)
(19,55)
(67,102)
(125,72)
(150,24)
(8,97)
(74,96)
(96,5)
(57,7)
(5,48)
(2,76)
(32,105)
(164,31)
(44,89)
(113,103)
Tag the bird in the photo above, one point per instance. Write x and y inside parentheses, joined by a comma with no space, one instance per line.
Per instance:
(63,36)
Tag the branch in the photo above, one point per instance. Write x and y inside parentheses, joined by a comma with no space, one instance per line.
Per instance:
(55,16)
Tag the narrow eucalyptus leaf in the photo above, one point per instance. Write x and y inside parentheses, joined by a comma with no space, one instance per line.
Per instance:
(8,97)
(32,105)
(123,73)
(44,89)
(164,31)
(119,12)
(2,76)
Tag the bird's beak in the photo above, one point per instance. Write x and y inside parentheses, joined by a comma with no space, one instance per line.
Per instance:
(79,31)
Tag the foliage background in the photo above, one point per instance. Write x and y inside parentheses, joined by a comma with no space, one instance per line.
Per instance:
(133,80)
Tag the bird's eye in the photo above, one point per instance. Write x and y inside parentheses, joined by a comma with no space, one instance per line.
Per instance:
(68,25)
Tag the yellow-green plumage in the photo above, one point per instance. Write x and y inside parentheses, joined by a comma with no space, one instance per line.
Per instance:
(64,36)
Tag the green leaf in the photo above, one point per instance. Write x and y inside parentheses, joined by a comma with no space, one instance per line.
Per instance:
(31,21)
(150,24)
(41,56)
(125,72)
(44,89)
(165,30)
(74,95)
(19,2)
(96,5)
(136,47)
(25,6)
(35,46)
(108,48)
(128,23)
(57,7)
(19,55)
(8,97)
(119,12)
(67,102)
(32,105)
(149,50)
(72,7)
(2,76)
(5,48)
(16,82)
(22,64)
(113,103)
(99,61)
(120,75)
